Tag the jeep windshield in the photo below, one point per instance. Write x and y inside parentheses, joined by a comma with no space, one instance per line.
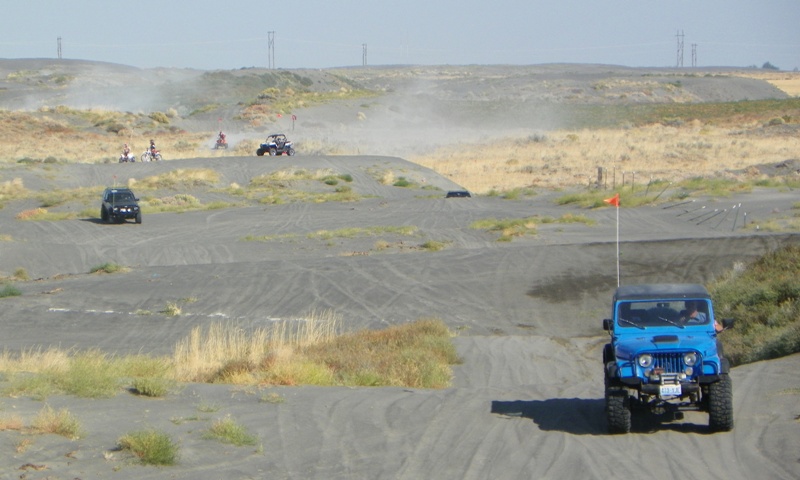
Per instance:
(661,313)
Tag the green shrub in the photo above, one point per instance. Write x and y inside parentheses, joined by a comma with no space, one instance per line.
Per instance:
(764,299)
(433,245)
(159,117)
(151,386)
(88,376)
(416,355)
(151,447)
(107,267)
(227,430)
(10,291)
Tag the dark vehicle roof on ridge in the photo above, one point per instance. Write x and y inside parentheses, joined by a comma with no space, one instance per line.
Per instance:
(666,291)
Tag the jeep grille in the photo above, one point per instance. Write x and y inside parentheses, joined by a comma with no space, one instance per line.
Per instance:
(669,362)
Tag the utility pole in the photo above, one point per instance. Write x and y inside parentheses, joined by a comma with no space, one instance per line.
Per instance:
(680,48)
(364,54)
(694,55)
(59,48)
(271,52)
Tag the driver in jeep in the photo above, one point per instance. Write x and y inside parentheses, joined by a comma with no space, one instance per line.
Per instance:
(692,316)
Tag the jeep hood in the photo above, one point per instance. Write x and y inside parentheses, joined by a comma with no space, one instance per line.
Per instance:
(629,347)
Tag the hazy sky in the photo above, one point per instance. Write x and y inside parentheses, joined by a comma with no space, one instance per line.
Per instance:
(230,34)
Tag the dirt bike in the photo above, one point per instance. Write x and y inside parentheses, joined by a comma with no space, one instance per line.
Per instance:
(147,156)
(127,158)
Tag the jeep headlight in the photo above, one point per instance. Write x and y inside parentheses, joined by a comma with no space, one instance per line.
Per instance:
(645,360)
(690,359)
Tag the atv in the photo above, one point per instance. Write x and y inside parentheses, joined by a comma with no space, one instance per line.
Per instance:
(276,144)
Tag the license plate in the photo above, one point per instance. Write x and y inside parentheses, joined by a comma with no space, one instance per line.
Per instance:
(670,390)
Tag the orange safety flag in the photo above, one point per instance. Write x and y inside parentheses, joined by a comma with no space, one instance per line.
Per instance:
(613,200)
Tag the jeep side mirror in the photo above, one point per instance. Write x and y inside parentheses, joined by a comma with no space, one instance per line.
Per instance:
(608,324)
(727,323)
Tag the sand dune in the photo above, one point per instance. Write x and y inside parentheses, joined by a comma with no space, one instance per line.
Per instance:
(526,403)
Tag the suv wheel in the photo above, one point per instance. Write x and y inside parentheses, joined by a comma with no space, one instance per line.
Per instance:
(139,217)
(618,413)
(720,405)
(104,214)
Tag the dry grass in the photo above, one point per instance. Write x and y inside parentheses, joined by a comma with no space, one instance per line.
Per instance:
(181,178)
(788,82)
(228,354)
(12,422)
(91,136)
(308,351)
(34,360)
(12,189)
(642,154)
(60,422)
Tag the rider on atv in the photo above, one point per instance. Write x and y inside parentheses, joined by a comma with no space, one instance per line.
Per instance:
(222,141)
(126,154)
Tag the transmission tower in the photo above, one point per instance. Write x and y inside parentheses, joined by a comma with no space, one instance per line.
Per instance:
(364,54)
(59,48)
(271,53)
(694,55)
(680,48)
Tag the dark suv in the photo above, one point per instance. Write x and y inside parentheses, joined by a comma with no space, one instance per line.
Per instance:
(664,357)
(120,204)
(458,194)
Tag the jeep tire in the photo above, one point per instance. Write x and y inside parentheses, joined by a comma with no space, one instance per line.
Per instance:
(260,152)
(103,214)
(618,412)
(139,217)
(720,404)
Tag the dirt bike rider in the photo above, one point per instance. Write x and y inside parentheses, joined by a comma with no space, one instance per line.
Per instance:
(221,139)
(153,150)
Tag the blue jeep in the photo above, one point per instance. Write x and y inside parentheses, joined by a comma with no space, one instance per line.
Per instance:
(664,357)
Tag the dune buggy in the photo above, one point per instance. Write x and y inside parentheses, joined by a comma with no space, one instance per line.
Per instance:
(276,144)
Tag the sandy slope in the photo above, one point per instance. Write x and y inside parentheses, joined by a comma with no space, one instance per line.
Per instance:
(526,403)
